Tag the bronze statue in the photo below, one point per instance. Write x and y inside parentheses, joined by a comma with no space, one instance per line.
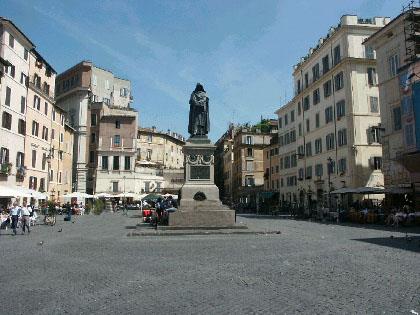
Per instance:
(199,122)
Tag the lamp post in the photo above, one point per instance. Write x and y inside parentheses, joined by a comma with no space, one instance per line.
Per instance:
(330,161)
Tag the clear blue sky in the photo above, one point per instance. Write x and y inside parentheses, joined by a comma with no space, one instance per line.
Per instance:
(242,51)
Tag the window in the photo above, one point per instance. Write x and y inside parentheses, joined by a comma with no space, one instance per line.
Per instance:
(35,128)
(117,140)
(127,163)
(318,146)
(91,156)
(286,119)
(11,41)
(394,64)
(105,162)
(107,84)
(4,155)
(299,109)
(376,162)
(21,126)
(299,88)
(372,76)
(12,71)
(51,175)
(306,103)
(124,92)
(319,170)
(149,138)
(342,165)
(249,166)
(293,161)
(325,64)
(327,88)
(45,133)
(292,136)
(62,119)
(94,80)
(149,154)
(53,114)
(37,81)
(8,96)
(409,134)
(93,119)
(374,135)
(301,151)
(307,125)
(281,142)
(308,149)
(46,108)
(249,140)
(117,124)
(52,134)
(249,152)
(292,116)
(33,182)
(60,155)
(306,80)
(339,81)
(92,137)
(286,162)
(337,55)
(329,139)
(308,172)
(25,54)
(22,104)
(374,107)
(20,159)
(342,137)
(316,97)
(397,118)
(22,78)
(6,121)
(301,173)
(115,187)
(44,161)
(300,129)
(37,102)
(33,158)
(315,72)
(317,120)
(59,177)
(340,109)
(249,181)
(280,123)
(329,114)
(369,52)
(116,163)
(61,137)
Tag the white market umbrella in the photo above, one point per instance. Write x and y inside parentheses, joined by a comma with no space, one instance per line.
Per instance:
(79,195)
(103,195)
(127,195)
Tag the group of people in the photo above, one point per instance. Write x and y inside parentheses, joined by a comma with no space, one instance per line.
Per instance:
(16,214)
(163,206)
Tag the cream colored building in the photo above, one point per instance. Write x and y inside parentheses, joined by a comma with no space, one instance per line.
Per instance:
(14,49)
(162,149)
(396,66)
(39,110)
(332,122)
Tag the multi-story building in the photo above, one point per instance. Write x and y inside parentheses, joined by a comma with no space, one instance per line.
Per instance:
(271,165)
(397,52)
(60,160)
(162,148)
(15,49)
(39,134)
(336,116)
(76,89)
(112,147)
(248,164)
(289,130)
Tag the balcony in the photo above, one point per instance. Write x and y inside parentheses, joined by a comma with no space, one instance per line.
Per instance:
(5,169)
(38,89)
(125,144)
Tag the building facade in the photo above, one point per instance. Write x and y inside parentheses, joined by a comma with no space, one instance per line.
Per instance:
(15,49)
(39,132)
(329,131)
(397,53)
(76,89)
(248,165)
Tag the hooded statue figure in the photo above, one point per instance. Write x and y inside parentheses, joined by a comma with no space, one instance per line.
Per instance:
(199,122)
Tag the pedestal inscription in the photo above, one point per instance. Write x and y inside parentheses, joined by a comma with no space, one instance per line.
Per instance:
(200,172)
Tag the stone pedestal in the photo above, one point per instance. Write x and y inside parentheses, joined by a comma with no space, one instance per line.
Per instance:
(200,205)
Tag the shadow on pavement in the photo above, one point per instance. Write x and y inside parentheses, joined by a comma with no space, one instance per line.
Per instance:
(411,243)
(131,227)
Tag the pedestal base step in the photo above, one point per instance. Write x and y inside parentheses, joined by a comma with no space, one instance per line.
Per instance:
(204,218)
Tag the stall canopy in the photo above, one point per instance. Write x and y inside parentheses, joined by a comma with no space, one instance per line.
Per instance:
(79,195)
(152,197)
(127,195)
(103,195)
(359,190)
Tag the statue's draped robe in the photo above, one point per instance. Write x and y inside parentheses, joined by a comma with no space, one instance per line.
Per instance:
(199,122)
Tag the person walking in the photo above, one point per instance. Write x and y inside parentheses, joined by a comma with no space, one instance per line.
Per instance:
(25,211)
(14,213)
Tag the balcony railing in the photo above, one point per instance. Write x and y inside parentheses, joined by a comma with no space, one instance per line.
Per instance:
(125,144)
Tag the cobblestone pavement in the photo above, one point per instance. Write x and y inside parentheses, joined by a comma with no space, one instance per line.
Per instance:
(92,267)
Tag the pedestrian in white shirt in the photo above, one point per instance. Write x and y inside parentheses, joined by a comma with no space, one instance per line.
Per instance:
(25,212)
(14,213)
